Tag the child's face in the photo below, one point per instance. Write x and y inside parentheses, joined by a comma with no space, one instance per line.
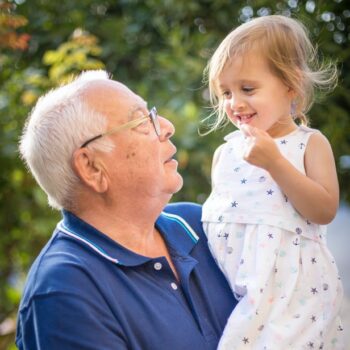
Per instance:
(254,95)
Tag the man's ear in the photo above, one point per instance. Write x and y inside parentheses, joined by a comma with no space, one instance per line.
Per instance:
(90,169)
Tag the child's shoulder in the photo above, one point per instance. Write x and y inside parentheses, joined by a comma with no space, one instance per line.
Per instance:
(312,134)
(302,134)
(307,130)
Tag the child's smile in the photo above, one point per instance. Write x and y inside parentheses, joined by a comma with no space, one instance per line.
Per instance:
(253,95)
(243,118)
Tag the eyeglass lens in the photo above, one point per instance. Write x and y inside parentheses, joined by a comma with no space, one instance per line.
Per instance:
(155,121)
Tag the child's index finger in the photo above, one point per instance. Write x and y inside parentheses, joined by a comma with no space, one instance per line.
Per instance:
(248,130)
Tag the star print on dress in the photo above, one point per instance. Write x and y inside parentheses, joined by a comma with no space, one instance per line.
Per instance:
(245,340)
(236,169)
(262,178)
(234,204)
(301,145)
(269,192)
(310,345)
(296,241)
(283,142)
(314,291)
(243,181)
(298,230)
(313,260)
(313,318)
(270,235)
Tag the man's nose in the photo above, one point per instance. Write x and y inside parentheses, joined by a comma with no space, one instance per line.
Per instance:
(167,129)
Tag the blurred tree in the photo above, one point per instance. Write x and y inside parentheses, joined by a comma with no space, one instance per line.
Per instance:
(158,48)
(9,22)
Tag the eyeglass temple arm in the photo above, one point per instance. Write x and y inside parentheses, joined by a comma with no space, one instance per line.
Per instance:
(130,124)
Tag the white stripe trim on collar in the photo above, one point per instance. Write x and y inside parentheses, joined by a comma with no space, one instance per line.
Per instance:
(184,224)
(98,250)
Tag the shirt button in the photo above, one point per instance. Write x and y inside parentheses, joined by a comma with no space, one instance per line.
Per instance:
(158,266)
(173,285)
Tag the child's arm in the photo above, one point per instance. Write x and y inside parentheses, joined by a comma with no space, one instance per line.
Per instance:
(315,196)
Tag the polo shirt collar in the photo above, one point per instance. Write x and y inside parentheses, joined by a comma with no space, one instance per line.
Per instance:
(178,234)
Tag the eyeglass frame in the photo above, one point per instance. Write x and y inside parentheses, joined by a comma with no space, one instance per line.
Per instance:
(152,115)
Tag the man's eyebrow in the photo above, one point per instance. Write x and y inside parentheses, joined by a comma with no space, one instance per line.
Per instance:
(136,108)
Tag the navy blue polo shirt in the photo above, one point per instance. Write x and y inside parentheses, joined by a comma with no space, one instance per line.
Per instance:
(85,291)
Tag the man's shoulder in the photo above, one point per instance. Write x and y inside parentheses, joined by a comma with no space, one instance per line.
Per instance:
(56,270)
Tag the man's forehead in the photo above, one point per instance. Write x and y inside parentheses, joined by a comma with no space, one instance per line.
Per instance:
(109,96)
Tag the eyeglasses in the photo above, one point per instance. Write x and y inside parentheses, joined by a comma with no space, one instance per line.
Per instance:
(153,116)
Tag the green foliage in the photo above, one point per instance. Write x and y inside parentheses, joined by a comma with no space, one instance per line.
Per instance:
(75,55)
(9,22)
(159,49)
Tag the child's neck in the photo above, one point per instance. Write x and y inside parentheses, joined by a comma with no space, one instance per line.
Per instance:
(278,131)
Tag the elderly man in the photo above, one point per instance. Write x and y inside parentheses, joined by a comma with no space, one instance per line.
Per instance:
(123,270)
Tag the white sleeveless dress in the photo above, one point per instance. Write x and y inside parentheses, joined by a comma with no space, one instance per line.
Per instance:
(276,261)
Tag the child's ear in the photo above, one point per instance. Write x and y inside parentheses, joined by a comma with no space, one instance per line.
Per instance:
(90,170)
(292,94)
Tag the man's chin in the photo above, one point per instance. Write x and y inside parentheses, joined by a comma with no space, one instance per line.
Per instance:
(178,185)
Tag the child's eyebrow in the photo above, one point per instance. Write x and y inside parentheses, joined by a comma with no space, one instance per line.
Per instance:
(239,82)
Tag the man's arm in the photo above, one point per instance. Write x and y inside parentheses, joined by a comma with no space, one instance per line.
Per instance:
(66,321)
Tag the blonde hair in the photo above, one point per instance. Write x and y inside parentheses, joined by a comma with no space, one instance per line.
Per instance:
(285,43)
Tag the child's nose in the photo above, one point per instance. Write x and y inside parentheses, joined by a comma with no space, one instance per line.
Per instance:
(236,103)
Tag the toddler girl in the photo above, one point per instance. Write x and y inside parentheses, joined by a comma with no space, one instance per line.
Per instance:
(274,187)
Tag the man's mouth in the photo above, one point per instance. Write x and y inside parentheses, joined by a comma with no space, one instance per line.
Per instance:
(171,158)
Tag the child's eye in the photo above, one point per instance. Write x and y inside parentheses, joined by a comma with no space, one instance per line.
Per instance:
(247,89)
(226,94)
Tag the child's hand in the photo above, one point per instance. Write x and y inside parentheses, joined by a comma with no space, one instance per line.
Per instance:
(261,149)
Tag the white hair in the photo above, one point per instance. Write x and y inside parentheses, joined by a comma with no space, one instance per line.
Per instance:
(60,123)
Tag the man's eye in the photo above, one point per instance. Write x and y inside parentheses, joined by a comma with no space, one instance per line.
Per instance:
(144,123)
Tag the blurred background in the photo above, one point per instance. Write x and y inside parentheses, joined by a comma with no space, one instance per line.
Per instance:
(159,49)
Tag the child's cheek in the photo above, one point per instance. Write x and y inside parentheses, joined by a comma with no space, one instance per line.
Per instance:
(230,115)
